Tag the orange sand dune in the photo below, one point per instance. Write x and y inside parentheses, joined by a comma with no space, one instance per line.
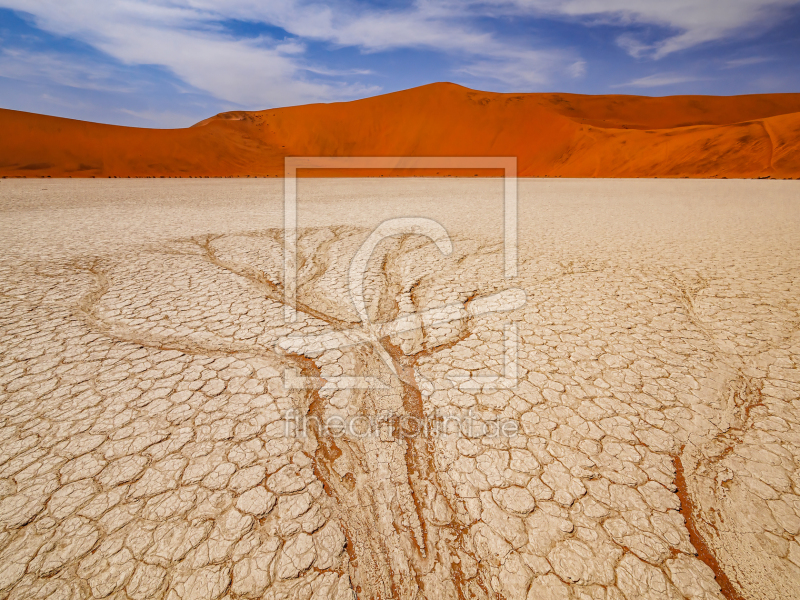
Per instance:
(553,135)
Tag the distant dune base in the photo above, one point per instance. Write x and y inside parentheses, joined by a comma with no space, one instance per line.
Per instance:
(552,135)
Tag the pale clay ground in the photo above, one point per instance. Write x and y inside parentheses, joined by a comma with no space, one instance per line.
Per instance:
(141,393)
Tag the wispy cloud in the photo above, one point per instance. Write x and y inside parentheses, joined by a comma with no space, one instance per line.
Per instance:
(294,59)
(687,23)
(524,69)
(155,118)
(657,80)
(51,67)
(185,37)
(746,62)
(249,72)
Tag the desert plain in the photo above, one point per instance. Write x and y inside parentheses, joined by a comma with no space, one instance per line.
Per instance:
(166,418)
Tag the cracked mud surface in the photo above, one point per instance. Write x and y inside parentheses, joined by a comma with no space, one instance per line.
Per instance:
(146,370)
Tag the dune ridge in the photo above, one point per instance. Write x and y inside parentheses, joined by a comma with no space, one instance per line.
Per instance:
(553,135)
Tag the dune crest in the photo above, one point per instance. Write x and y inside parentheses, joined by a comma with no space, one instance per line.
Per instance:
(553,135)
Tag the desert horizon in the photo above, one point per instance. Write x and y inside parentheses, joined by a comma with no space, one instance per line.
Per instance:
(552,135)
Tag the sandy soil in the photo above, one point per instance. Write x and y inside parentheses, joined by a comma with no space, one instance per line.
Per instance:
(146,371)
(553,135)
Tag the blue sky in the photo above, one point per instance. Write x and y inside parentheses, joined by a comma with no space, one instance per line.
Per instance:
(170,63)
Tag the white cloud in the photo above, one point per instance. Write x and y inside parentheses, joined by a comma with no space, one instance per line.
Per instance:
(186,37)
(507,73)
(657,80)
(577,69)
(429,25)
(155,118)
(48,67)
(745,62)
(632,45)
(692,21)
(344,24)
(185,40)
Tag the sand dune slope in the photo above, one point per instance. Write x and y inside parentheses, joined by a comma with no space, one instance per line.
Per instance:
(555,135)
